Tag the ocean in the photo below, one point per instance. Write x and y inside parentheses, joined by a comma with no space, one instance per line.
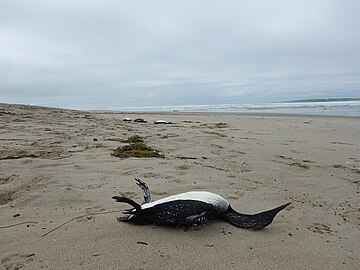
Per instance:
(340,108)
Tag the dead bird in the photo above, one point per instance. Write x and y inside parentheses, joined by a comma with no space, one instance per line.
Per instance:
(189,209)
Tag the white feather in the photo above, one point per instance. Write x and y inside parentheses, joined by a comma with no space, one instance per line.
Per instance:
(207,197)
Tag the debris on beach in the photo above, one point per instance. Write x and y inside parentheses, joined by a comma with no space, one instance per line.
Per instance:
(127,119)
(139,150)
(221,125)
(134,139)
(164,122)
(136,148)
(183,157)
(140,120)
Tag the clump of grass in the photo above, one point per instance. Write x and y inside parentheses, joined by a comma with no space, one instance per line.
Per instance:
(136,148)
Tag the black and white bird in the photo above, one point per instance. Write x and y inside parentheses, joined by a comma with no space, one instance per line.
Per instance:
(191,209)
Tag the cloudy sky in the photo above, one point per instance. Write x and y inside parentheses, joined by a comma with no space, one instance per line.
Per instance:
(112,53)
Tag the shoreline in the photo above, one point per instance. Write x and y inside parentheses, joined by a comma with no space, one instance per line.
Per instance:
(226,113)
(57,167)
(183,112)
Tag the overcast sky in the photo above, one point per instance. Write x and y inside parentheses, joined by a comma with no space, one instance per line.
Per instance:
(107,54)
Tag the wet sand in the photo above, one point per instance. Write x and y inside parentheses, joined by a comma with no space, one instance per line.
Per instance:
(57,176)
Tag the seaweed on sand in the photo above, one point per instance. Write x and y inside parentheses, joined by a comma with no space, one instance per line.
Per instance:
(134,139)
(136,148)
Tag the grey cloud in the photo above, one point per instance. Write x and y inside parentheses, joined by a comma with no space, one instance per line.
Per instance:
(139,53)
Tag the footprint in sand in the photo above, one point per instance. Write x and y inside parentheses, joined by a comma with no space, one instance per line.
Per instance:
(5,180)
(319,228)
(6,198)
(92,186)
(151,175)
(352,216)
(130,194)
(245,167)
(130,172)
(173,180)
(17,261)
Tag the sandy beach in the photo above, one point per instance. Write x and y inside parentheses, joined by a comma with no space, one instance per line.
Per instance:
(57,176)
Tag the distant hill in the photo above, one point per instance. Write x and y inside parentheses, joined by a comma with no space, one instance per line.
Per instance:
(324,100)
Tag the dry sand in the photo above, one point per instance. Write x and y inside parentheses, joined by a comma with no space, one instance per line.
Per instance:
(56,165)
